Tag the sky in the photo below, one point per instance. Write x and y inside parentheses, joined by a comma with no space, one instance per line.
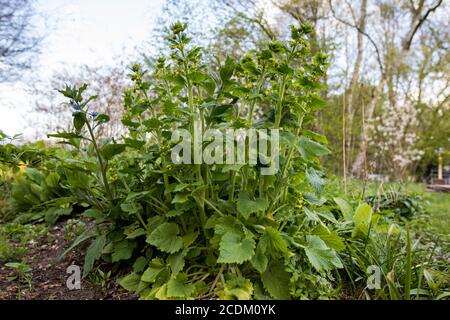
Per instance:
(77,32)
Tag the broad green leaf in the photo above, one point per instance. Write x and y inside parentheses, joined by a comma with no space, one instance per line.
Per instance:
(331,238)
(310,149)
(246,206)
(273,242)
(93,253)
(226,71)
(321,257)
(345,208)
(178,287)
(276,280)
(362,219)
(140,264)
(156,266)
(237,287)
(79,119)
(176,261)
(130,282)
(123,250)
(180,198)
(234,248)
(165,237)
(259,261)
(315,180)
(110,150)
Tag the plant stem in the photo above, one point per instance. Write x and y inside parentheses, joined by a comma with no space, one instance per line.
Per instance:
(100,161)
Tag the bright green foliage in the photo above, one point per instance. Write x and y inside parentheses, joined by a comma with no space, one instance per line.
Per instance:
(207,231)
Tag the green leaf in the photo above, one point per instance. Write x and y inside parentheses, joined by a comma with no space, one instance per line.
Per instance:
(345,208)
(65,135)
(101,118)
(226,72)
(321,257)
(276,280)
(235,249)
(237,287)
(331,238)
(178,287)
(273,242)
(139,264)
(156,266)
(130,282)
(52,214)
(110,150)
(176,261)
(259,261)
(93,253)
(79,119)
(362,219)
(180,198)
(165,237)
(315,180)
(123,250)
(246,206)
(310,149)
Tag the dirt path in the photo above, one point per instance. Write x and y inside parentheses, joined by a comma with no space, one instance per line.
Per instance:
(49,275)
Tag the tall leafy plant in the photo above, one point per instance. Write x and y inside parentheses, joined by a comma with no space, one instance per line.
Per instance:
(204,230)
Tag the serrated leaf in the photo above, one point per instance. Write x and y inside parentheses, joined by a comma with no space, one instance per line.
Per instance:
(259,261)
(246,206)
(156,266)
(237,287)
(331,238)
(322,258)
(130,282)
(234,248)
(165,237)
(178,287)
(315,180)
(310,149)
(276,280)
(180,198)
(176,261)
(139,264)
(273,242)
(123,250)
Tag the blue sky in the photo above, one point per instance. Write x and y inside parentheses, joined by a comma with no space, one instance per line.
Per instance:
(78,32)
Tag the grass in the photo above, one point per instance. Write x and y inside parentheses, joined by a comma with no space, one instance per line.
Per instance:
(437,204)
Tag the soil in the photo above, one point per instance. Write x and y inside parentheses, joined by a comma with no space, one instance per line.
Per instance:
(49,274)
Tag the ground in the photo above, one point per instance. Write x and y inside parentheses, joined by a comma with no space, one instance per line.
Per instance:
(49,275)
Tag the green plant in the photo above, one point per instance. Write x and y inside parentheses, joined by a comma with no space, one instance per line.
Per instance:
(73,229)
(22,275)
(397,204)
(210,230)
(101,279)
(15,237)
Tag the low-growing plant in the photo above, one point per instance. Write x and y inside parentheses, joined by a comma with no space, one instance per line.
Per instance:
(22,274)
(73,229)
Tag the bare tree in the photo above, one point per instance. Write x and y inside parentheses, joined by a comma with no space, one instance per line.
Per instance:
(19,43)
